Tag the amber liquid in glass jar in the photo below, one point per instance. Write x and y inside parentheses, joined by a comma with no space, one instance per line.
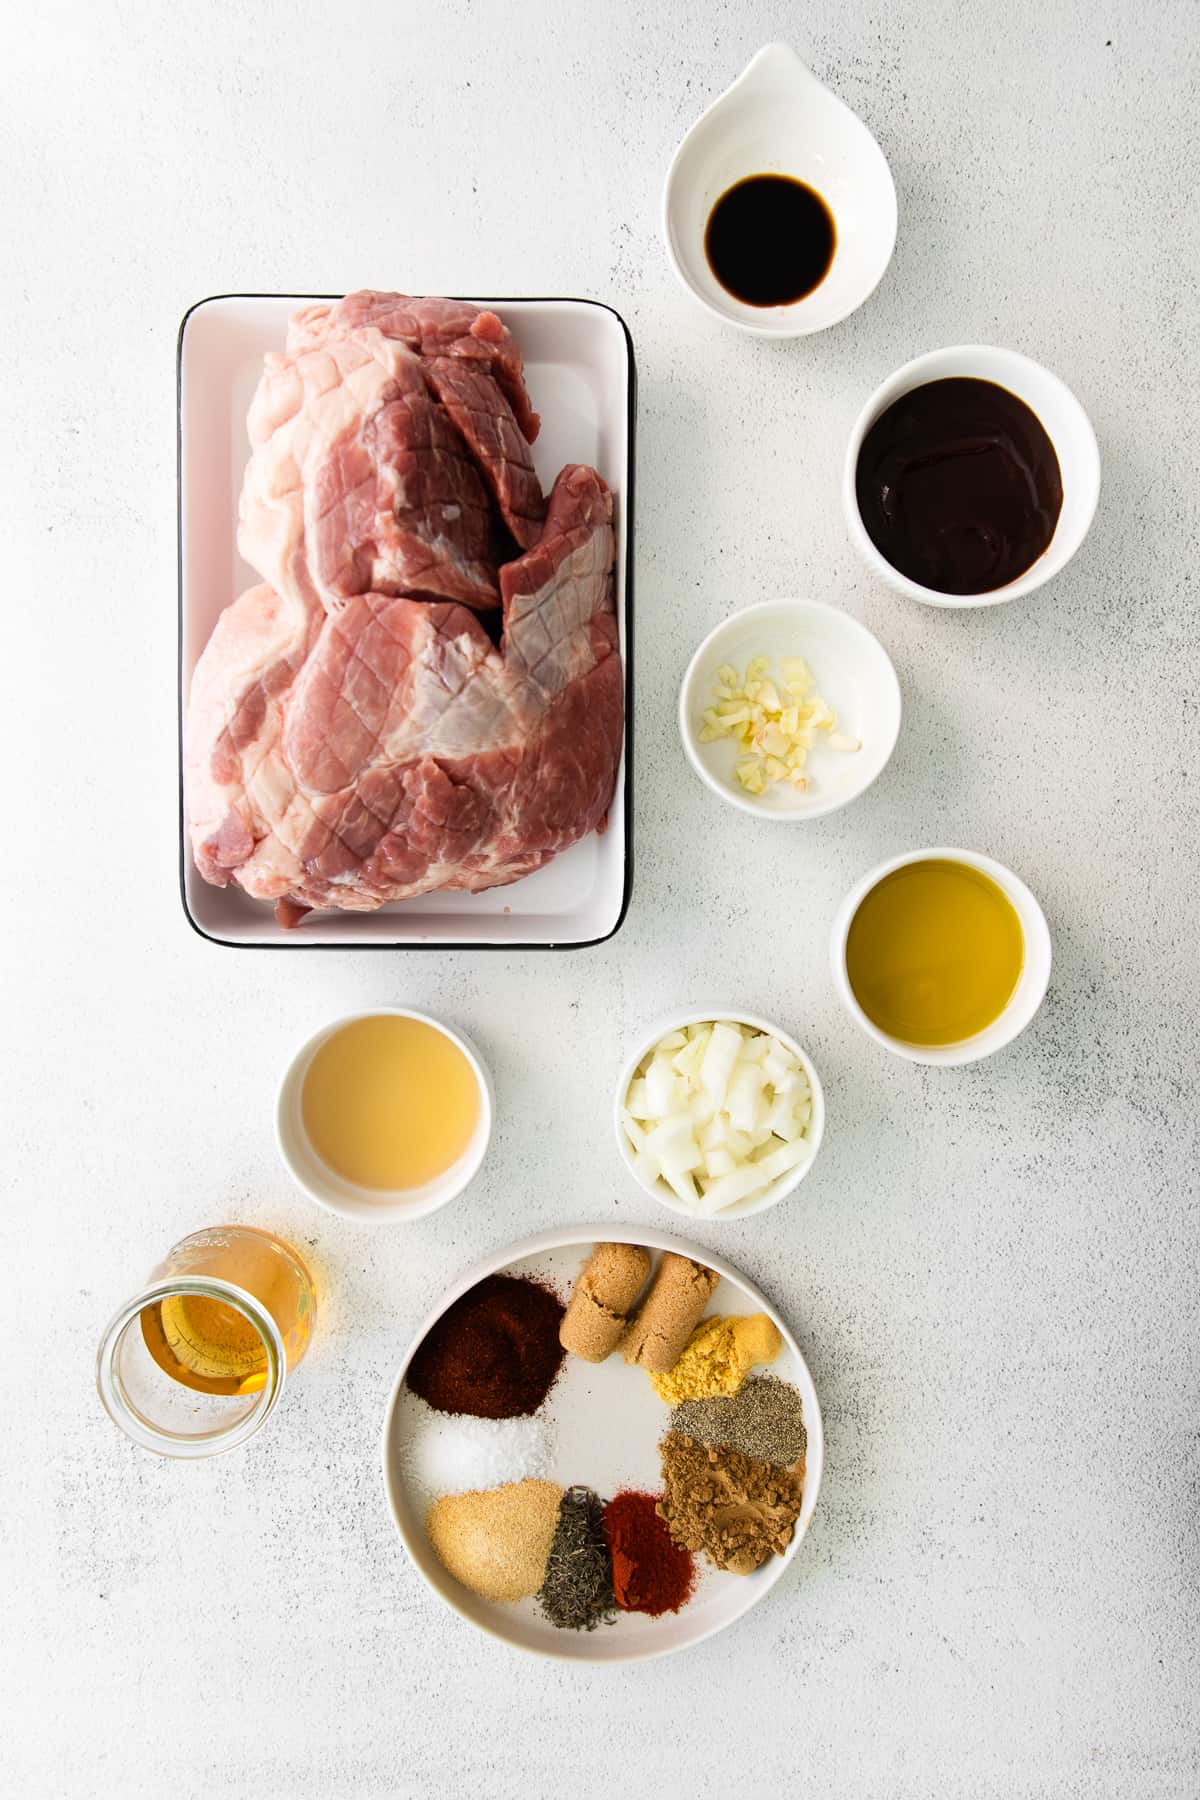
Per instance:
(206,1343)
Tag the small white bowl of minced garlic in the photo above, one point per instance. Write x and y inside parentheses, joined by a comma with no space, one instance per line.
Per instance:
(789,709)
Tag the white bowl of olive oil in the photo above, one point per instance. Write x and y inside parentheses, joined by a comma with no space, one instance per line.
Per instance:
(942,956)
(384,1115)
(779,210)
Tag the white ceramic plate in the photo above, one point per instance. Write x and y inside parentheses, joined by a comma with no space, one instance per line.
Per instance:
(579,365)
(608,1422)
(852,671)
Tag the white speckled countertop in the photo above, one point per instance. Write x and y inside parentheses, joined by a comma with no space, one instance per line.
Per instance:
(993,1270)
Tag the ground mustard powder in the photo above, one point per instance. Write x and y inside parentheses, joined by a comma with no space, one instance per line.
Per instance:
(720,1354)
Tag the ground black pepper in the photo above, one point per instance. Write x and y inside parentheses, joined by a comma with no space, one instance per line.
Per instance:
(577,1593)
(764,1420)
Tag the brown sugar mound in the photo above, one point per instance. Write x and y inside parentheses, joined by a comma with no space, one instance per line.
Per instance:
(662,1325)
(737,1511)
(609,1283)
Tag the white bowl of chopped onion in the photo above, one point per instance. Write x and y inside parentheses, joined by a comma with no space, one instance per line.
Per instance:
(719,1114)
(789,709)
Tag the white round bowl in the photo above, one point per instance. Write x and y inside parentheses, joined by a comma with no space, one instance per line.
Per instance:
(778,1189)
(852,671)
(372,1205)
(777,118)
(1066,424)
(614,1402)
(1026,998)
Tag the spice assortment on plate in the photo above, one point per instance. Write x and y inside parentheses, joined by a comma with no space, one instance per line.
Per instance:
(606,1457)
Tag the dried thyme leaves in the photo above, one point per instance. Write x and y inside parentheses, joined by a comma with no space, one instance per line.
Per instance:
(577,1593)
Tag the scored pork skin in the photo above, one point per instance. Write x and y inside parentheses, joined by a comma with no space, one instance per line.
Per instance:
(432,326)
(388,748)
(471,364)
(358,482)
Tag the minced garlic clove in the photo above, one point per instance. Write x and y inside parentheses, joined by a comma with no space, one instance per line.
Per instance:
(774,722)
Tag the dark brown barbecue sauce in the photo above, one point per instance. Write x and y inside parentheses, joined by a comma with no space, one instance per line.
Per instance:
(770,240)
(958,485)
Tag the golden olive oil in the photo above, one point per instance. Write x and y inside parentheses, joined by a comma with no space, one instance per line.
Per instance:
(389,1103)
(934,952)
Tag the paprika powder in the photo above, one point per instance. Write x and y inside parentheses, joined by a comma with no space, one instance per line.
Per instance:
(651,1573)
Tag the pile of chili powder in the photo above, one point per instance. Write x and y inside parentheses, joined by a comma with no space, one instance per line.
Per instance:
(494,1353)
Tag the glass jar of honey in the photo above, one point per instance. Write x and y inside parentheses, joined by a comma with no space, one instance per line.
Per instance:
(195,1363)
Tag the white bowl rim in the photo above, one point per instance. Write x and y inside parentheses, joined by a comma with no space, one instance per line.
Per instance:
(1087,464)
(748,804)
(783,1185)
(389,1208)
(1014,1019)
(750,326)
(610,1232)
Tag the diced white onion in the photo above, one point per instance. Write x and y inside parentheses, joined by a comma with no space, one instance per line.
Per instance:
(719,1060)
(717,1112)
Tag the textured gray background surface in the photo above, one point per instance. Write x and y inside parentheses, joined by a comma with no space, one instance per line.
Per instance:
(993,1270)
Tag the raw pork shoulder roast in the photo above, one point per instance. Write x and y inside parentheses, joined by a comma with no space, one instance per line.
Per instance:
(356,733)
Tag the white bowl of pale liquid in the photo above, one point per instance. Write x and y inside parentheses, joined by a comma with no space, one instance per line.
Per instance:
(376,1206)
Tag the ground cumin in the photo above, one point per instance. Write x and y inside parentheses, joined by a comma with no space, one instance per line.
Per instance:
(737,1511)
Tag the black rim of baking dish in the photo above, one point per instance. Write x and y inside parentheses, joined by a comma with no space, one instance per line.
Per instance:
(296,941)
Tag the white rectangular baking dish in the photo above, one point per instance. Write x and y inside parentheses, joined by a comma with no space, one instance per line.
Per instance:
(580,370)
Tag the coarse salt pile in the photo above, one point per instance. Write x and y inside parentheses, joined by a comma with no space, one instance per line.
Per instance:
(448,1453)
